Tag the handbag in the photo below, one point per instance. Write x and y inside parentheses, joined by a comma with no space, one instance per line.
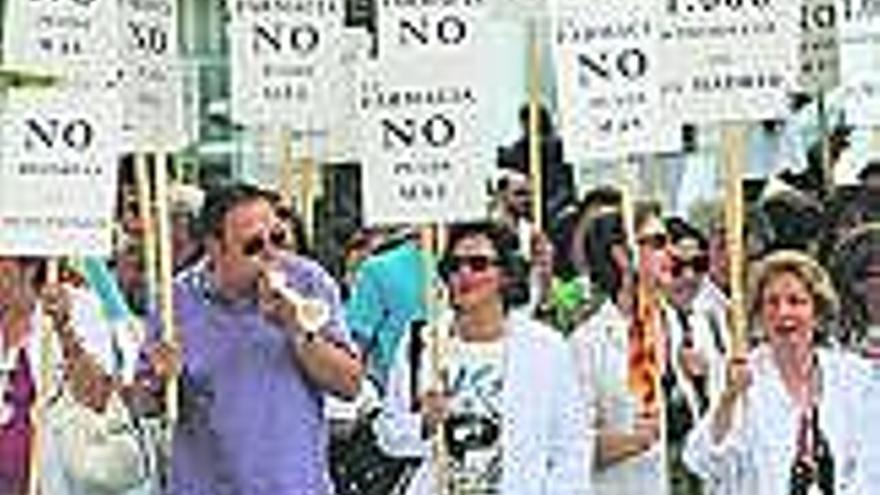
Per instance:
(101,452)
(358,466)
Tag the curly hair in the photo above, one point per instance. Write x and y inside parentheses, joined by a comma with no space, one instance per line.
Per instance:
(506,244)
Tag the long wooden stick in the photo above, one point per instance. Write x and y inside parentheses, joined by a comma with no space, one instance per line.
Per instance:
(166,268)
(733,149)
(308,171)
(286,169)
(535,172)
(38,411)
(145,211)
(875,140)
(825,142)
(430,246)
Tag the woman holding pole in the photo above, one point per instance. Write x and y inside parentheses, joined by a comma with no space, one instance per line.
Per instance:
(787,422)
(622,354)
(509,406)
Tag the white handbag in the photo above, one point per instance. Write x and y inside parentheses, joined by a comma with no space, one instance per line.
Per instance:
(102,453)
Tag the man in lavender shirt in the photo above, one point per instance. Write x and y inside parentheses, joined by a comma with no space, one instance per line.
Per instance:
(253,378)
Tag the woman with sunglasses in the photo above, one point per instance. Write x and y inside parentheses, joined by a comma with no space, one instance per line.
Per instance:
(789,420)
(507,396)
(624,354)
(697,329)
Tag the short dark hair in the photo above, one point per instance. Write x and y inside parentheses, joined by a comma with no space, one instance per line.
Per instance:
(506,244)
(603,233)
(680,229)
(222,199)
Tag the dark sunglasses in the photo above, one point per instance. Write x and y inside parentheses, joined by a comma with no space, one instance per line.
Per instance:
(257,244)
(700,264)
(655,241)
(475,263)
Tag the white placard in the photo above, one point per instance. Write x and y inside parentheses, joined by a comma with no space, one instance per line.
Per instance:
(74,39)
(58,172)
(819,49)
(860,60)
(729,60)
(152,79)
(608,64)
(343,145)
(520,10)
(282,59)
(425,107)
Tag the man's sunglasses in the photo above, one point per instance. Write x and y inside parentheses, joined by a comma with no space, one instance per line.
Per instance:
(700,264)
(475,263)
(257,244)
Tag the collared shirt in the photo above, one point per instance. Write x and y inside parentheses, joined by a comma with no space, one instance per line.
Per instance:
(251,422)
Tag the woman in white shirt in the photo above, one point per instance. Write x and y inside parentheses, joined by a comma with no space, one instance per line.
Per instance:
(788,420)
(508,403)
(630,456)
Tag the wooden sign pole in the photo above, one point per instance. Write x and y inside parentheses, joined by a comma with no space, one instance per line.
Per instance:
(145,210)
(733,151)
(430,238)
(166,269)
(534,132)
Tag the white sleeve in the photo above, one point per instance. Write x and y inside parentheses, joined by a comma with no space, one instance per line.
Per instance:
(398,429)
(726,465)
(572,437)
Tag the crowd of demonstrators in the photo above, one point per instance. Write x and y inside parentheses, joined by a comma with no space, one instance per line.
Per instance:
(593,357)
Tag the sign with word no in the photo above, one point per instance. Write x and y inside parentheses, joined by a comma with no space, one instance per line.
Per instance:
(819,46)
(607,67)
(58,168)
(425,107)
(860,59)
(76,40)
(282,59)
(729,60)
(151,78)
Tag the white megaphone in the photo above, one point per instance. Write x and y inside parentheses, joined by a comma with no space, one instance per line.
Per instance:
(312,312)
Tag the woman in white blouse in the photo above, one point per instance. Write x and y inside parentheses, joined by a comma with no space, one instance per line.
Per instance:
(788,421)
(630,454)
(508,402)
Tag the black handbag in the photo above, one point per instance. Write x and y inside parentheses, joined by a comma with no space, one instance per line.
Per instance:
(358,465)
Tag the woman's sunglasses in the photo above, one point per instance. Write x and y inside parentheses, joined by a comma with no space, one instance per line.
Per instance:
(475,263)
(700,264)
(655,241)
(257,244)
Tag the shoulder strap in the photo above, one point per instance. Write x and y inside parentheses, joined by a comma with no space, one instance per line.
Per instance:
(414,354)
